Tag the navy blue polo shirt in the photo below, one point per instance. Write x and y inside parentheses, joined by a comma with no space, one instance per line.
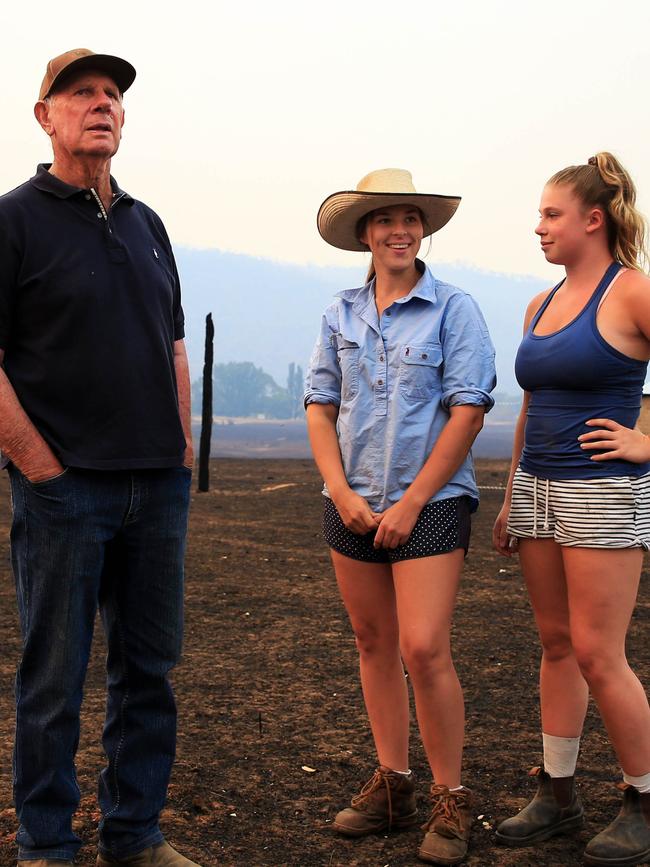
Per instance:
(90,308)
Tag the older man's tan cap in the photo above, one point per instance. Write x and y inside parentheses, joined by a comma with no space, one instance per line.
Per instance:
(62,67)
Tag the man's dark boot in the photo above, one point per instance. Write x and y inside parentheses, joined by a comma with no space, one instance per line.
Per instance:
(555,809)
(160,855)
(385,803)
(45,862)
(627,839)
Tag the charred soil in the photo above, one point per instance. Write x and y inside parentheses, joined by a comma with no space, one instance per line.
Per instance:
(273,738)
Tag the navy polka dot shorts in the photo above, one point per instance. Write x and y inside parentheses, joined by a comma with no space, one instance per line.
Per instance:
(442,526)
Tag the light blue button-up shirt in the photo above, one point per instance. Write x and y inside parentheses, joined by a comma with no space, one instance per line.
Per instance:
(394,380)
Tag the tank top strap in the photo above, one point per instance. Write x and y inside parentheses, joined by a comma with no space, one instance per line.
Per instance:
(594,302)
(620,271)
(603,287)
(545,303)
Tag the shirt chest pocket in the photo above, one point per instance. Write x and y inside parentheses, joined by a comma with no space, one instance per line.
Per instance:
(347,354)
(420,371)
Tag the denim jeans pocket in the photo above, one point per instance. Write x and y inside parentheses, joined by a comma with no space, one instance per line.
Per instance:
(45,482)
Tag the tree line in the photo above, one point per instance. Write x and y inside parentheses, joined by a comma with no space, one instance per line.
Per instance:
(241,389)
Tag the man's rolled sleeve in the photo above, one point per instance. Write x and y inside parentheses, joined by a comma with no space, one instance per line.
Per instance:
(323,377)
(469,373)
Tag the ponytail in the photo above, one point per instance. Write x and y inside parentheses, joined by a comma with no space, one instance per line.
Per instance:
(604,183)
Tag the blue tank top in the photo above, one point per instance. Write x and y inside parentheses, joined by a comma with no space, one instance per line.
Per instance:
(574,375)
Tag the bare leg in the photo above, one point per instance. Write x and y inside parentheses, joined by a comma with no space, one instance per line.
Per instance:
(602,590)
(426,592)
(369,598)
(563,690)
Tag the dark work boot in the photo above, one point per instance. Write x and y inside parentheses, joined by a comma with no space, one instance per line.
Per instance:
(385,803)
(555,809)
(159,855)
(45,862)
(627,839)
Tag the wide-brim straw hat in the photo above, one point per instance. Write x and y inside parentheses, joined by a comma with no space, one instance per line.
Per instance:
(339,215)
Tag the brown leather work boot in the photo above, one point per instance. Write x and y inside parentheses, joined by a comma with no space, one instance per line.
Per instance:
(547,815)
(160,855)
(385,803)
(448,827)
(627,839)
(45,862)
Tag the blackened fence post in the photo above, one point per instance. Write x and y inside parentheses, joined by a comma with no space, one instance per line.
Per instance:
(206,421)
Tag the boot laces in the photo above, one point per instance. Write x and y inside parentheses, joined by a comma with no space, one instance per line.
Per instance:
(445,815)
(378,781)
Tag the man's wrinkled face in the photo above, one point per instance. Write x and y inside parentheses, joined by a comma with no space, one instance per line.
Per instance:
(84,117)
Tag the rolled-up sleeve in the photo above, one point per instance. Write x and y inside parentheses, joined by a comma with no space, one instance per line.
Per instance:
(323,377)
(469,373)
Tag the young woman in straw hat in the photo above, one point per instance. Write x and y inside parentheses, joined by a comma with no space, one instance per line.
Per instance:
(578,500)
(397,388)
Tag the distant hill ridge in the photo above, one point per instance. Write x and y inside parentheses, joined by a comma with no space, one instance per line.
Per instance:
(269,312)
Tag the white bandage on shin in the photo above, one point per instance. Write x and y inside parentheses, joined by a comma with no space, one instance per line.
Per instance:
(560,755)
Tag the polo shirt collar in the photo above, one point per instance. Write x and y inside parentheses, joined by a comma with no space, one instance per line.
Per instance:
(48,183)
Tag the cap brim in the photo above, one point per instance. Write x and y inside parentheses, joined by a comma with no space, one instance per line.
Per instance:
(121,71)
(340,213)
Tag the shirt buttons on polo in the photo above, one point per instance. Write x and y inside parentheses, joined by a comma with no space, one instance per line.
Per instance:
(87,197)
(99,214)
(424,355)
(380,382)
(381,357)
(388,313)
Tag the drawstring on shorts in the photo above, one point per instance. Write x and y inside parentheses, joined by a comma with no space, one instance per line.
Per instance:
(545,525)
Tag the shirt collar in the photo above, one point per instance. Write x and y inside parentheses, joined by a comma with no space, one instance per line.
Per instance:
(48,183)
(363,296)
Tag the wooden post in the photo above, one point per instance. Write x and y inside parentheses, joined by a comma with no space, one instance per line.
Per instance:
(206,420)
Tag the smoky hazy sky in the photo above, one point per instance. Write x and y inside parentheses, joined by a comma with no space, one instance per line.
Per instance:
(245,116)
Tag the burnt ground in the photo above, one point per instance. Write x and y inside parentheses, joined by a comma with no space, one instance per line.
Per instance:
(268,687)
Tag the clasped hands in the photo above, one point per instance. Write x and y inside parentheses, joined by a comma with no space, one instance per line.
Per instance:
(393,527)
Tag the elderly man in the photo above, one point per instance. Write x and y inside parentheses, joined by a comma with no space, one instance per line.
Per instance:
(95,430)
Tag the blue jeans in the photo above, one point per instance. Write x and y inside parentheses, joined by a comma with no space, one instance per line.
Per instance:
(81,540)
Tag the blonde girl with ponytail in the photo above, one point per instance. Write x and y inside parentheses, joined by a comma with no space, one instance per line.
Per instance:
(577,506)
(604,183)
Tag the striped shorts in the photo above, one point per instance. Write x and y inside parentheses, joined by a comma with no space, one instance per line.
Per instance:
(582,513)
